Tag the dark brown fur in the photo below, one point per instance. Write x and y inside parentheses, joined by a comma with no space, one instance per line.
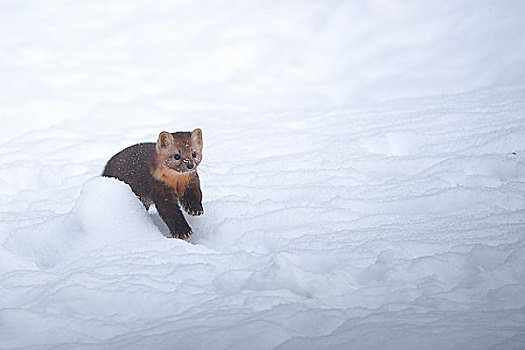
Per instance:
(156,177)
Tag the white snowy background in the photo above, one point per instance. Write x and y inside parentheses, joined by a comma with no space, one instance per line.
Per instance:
(363,174)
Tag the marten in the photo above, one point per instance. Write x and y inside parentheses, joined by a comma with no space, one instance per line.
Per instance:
(165,174)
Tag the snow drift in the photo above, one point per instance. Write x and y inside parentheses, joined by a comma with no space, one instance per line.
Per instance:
(363,175)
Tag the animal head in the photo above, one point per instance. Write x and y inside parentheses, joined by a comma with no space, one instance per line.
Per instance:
(180,151)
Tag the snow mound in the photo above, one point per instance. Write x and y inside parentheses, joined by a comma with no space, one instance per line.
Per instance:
(107,213)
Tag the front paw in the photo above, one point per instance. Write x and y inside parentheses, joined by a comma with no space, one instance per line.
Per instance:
(182,235)
(192,208)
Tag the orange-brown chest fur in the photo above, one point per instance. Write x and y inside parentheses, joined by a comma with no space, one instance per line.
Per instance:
(178,182)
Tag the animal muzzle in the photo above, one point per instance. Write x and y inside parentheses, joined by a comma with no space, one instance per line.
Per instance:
(188,163)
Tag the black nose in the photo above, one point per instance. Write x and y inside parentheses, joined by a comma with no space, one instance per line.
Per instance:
(190,166)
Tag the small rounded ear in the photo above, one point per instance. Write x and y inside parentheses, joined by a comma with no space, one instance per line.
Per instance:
(196,138)
(165,140)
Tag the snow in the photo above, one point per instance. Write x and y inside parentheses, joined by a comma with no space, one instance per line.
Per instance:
(363,175)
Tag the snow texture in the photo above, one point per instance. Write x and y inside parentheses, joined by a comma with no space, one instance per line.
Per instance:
(363,175)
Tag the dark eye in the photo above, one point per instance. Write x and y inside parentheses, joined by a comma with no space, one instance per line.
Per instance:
(194,154)
(177,156)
